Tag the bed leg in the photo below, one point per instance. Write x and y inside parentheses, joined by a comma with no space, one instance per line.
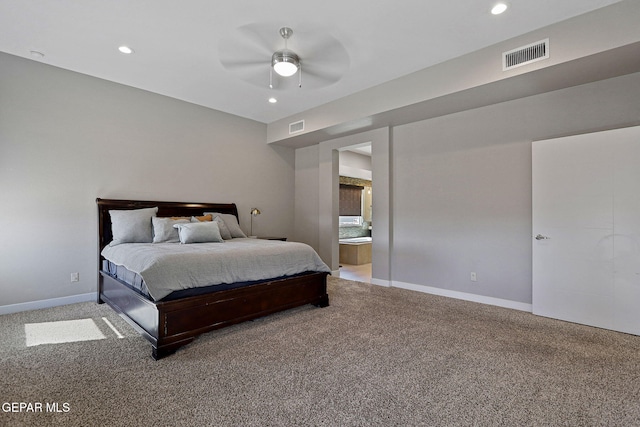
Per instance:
(99,293)
(158,354)
(324,301)
(168,349)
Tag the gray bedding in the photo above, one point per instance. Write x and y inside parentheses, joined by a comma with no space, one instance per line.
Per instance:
(168,267)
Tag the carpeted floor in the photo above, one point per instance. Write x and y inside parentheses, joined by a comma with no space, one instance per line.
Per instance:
(375,357)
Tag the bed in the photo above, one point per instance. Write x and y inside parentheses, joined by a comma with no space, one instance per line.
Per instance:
(175,320)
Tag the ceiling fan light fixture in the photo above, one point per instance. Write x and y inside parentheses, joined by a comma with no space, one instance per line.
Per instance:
(285,62)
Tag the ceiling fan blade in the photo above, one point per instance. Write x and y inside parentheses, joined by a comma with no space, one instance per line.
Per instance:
(247,45)
(326,47)
(258,38)
(324,58)
(328,69)
(326,76)
(245,63)
(317,43)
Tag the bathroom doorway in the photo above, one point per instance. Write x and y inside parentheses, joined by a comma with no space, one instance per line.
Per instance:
(355,222)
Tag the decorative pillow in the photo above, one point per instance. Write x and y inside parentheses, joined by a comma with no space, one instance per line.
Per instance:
(224,230)
(204,217)
(199,232)
(163,231)
(132,226)
(231,222)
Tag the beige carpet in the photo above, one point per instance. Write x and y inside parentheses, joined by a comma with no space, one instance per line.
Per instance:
(376,356)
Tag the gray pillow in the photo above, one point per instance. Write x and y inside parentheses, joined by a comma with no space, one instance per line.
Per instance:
(199,232)
(132,226)
(163,230)
(231,222)
(224,230)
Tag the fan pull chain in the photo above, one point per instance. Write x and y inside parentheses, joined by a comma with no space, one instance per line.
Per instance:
(300,75)
(270,77)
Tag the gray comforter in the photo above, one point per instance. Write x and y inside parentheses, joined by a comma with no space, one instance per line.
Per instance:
(167,267)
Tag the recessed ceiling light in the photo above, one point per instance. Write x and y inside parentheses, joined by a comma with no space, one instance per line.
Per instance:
(499,8)
(36,54)
(273,100)
(125,49)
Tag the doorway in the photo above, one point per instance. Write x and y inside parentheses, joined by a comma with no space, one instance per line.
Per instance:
(355,225)
(328,200)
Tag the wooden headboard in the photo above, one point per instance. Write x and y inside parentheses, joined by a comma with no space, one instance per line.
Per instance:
(164,209)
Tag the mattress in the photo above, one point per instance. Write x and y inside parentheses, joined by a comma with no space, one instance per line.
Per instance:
(135,282)
(124,275)
(160,270)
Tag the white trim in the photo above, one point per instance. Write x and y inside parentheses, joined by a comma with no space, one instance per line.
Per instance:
(336,273)
(380,282)
(47,303)
(465,296)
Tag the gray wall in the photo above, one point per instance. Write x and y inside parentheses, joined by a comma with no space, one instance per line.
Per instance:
(66,138)
(307,203)
(460,188)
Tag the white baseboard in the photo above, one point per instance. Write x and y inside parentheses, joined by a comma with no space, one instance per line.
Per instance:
(92,296)
(47,303)
(465,296)
(380,282)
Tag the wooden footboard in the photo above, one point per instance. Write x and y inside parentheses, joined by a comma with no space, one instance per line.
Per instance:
(172,324)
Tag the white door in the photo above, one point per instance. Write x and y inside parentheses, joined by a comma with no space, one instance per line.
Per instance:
(586,229)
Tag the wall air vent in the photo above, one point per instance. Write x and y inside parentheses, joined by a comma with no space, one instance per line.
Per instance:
(296,127)
(525,55)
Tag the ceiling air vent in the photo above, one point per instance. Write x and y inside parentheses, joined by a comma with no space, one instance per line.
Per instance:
(296,127)
(525,55)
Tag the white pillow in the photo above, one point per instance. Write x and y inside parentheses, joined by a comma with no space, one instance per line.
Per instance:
(199,232)
(163,230)
(231,222)
(132,226)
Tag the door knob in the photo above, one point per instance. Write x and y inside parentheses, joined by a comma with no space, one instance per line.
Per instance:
(541,237)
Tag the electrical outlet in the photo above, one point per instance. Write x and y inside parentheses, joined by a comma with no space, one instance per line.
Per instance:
(474,277)
(75,277)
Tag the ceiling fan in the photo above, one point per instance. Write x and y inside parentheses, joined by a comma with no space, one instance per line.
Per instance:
(254,47)
(285,62)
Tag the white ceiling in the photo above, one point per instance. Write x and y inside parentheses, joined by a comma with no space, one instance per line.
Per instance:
(212,53)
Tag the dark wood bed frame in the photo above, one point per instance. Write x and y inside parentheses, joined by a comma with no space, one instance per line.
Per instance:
(169,325)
